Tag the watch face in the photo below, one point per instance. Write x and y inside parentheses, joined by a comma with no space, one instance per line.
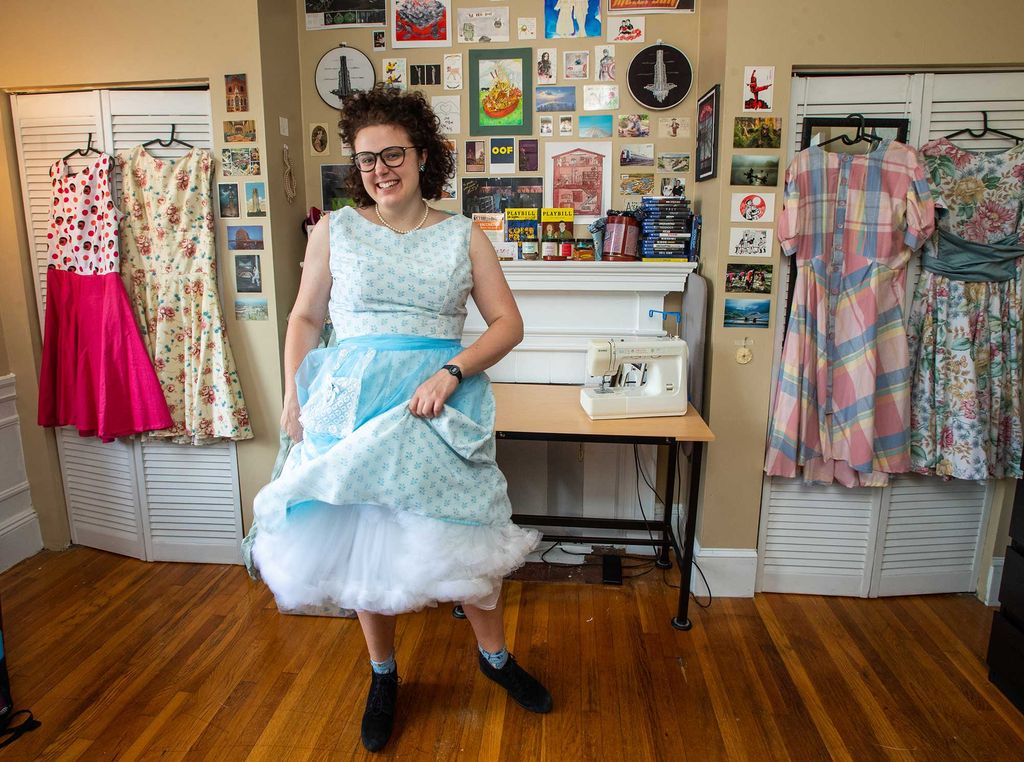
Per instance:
(659,77)
(341,71)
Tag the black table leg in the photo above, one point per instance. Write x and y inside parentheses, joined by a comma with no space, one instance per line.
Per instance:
(664,560)
(682,618)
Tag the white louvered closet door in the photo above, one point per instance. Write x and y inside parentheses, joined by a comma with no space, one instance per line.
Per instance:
(145,498)
(920,534)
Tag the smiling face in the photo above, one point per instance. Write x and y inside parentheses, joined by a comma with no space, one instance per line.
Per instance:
(390,187)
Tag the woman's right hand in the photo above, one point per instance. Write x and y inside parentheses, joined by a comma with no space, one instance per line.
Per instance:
(290,419)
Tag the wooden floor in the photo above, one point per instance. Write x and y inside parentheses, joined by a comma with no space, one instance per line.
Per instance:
(127,660)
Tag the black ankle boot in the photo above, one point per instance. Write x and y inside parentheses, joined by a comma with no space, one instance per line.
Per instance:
(379,715)
(520,684)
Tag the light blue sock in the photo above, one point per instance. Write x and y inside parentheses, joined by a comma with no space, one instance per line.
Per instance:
(496,659)
(385,667)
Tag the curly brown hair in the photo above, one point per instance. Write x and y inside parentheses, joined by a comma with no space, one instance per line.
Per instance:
(384,105)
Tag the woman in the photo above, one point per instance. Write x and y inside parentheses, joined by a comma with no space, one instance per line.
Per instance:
(391,500)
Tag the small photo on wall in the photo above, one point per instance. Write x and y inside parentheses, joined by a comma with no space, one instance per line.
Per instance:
(757,132)
(673,186)
(529,160)
(251,308)
(626,28)
(634,125)
(547,126)
(240,131)
(754,170)
(752,207)
(255,200)
(758,88)
(245,237)
(636,155)
(379,41)
(236,92)
(596,125)
(546,58)
(605,57)
(636,185)
(475,157)
(424,74)
(247,274)
(673,161)
(748,279)
(239,161)
(333,194)
(227,199)
(749,242)
(565,125)
(674,127)
(747,313)
(576,64)
(558,98)
(319,139)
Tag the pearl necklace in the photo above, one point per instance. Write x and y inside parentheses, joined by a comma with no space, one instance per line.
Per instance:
(426,211)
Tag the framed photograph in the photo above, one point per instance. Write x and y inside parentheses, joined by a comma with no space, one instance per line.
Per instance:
(421,23)
(576,64)
(818,129)
(600,97)
(636,155)
(482,25)
(245,237)
(453,71)
(579,177)
(747,313)
(596,125)
(319,139)
(674,127)
(707,134)
(496,194)
(248,279)
(752,207)
(227,197)
(758,88)
(255,200)
(529,158)
(651,6)
(754,170)
(337,14)
(501,91)
(557,98)
(578,18)
(757,132)
(475,157)
(333,194)
(626,29)
(750,242)
(748,279)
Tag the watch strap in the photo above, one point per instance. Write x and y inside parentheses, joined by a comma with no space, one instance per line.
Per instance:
(455,370)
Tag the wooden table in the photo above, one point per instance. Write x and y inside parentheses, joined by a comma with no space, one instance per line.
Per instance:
(553,413)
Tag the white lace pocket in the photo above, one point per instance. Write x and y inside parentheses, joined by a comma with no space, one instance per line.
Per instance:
(332,408)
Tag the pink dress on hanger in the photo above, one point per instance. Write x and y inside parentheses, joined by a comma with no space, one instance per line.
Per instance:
(96,374)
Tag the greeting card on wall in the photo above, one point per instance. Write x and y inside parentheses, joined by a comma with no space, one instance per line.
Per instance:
(546,66)
(758,88)
(503,156)
(749,242)
(572,18)
(421,23)
(579,177)
(501,88)
(453,71)
(626,29)
(449,111)
(527,28)
(483,24)
(752,207)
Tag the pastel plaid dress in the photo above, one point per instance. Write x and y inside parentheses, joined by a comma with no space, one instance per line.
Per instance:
(842,407)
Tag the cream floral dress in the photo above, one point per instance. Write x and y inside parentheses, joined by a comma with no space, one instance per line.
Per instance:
(168,263)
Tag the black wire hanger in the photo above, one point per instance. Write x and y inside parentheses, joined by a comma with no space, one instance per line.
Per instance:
(985,130)
(862,135)
(89,148)
(169,142)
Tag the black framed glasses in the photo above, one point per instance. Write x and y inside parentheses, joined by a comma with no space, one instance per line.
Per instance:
(392,156)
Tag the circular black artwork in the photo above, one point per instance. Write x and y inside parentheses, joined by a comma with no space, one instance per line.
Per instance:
(659,77)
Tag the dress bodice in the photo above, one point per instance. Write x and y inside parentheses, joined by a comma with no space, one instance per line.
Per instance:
(83,221)
(386,282)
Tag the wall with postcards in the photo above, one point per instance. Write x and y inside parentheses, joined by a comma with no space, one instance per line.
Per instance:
(518,84)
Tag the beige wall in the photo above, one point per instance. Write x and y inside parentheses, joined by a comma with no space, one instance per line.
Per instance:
(193,40)
(792,34)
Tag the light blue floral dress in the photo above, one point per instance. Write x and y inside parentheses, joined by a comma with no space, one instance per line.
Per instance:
(376,509)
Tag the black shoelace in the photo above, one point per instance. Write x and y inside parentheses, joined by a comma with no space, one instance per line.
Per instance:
(382,689)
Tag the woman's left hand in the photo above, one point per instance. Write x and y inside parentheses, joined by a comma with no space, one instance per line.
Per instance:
(430,396)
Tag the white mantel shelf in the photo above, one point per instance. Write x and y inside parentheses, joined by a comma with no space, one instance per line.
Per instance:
(544,275)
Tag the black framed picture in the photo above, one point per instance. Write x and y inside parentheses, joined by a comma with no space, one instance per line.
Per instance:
(707,134)
(659,77)
(818,129)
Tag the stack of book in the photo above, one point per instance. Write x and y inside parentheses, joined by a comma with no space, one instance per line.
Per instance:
(665,229)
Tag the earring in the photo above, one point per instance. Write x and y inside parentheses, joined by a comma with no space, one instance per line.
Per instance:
(422,167)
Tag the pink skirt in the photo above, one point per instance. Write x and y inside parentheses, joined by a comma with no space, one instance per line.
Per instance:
(96,374)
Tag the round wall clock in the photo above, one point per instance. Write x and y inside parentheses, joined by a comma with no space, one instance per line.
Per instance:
(343,70)
(659,76)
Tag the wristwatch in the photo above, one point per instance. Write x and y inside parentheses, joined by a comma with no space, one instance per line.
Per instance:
(455,370)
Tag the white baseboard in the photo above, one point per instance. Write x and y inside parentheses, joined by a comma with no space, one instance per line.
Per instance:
(730,572)
(20,538)
(995,580)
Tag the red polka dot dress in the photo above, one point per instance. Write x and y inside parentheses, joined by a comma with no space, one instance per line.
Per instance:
(96,374)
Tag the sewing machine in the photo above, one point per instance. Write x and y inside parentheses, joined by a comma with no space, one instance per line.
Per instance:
(640,378)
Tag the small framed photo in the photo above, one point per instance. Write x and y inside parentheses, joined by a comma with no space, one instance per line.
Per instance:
(707,134)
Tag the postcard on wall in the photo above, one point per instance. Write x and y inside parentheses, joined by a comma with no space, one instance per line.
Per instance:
(245,237)
(421,23)
(545,68)
(576,64)
(449,111)
(527,28)
(758,88)
(255,200)
(754,170)
(239,161)
(674,127)
(636,184)
(483,25)
(748,279)
(496,194)
(337,14)
(634,125)
(379,40)
(596,125)
(752,207)
(600,97)
(626,29)
(636,155)
(227,197)
(251,308)
(556,98)
(421,75)
(240,131)
(579,177)
(604,55)
(503,156)
(453,71)
(319,139)
(757,132)
(547,126)
(673,186)
(749,242)
(747,313)
(236,92)
(247,274)
(395,73)
(333,193)
(475,156)
(651,6)
(529,158)
(672,161)
(572,18)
